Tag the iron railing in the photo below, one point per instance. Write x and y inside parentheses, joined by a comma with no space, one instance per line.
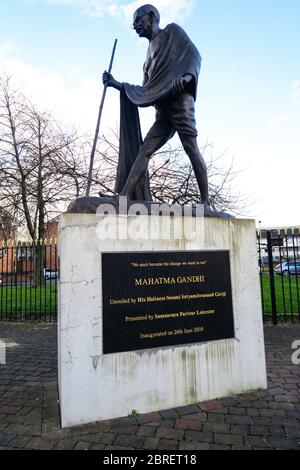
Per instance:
(29,277)
(279,266)
(28,281)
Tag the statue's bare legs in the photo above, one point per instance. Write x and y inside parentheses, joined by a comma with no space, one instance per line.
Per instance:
(151,146)
(191,148)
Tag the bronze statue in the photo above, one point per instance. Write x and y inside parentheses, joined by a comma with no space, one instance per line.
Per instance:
(171,73)
(170,81)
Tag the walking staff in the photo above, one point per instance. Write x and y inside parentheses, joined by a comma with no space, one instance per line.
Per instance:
(89,181)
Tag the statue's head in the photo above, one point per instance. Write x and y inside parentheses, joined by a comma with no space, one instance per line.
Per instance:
(144,19)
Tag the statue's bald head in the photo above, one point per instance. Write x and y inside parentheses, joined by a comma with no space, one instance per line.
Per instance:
(146,21)
(146,10)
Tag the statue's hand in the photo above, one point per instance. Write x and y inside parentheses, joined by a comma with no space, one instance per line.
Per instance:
(178,85)
(108,79)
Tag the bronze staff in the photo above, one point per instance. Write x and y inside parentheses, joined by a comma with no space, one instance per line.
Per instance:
(98,125)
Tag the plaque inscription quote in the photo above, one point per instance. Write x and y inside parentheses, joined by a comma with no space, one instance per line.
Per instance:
(158,299)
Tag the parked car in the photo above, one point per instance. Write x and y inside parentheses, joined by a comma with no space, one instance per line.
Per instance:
(50,273)
(287,268)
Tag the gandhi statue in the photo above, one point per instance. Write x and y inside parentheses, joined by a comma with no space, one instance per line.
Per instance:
(170,81)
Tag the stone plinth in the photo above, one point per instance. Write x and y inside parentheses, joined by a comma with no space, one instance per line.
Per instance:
(94,386)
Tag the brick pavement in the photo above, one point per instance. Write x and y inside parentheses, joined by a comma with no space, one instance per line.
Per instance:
(29,416)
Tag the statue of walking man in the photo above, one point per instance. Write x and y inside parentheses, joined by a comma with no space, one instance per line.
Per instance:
(170,81)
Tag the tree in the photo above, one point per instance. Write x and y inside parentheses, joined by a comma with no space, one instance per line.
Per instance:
(172,178)
(39,172)
(7,227)
(41,168)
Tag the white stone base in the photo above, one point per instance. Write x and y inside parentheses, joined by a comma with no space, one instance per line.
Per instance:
(95,387)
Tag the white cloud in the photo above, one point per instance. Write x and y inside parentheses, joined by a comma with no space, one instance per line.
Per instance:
(170,10)
(296,92)
(291,118)
(7,46)
(285,119)
(73,105)
(47,89)
(93,8)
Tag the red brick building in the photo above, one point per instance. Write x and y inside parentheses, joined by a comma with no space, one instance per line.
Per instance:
(18,257)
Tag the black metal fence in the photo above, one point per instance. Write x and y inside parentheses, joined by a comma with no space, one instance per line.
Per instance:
(279,265)
(29,274)
(28,281)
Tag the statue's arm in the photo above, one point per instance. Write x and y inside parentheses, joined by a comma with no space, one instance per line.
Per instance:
(109,81)
(179,84)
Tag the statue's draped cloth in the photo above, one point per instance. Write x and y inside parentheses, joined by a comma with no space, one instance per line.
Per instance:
(171,55)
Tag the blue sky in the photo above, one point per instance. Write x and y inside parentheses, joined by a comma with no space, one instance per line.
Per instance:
(249,87)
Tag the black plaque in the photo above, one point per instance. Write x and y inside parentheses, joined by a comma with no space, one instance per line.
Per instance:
(158,299)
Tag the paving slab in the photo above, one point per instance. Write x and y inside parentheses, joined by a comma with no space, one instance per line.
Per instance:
(29,407)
